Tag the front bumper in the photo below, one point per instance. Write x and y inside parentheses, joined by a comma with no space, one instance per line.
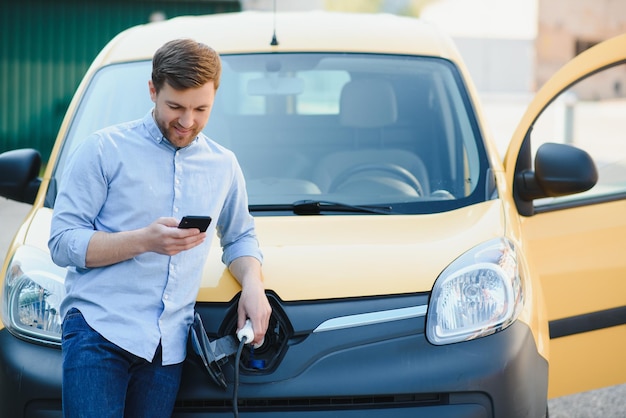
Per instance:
(497,376)
(371,370)
(30,378)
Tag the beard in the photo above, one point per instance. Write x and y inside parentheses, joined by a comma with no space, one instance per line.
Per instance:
(176,134)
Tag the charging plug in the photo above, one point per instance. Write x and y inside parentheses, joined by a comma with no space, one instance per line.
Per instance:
(248,333)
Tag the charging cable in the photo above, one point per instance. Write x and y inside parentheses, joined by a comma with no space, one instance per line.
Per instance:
(245,335)
(236,388)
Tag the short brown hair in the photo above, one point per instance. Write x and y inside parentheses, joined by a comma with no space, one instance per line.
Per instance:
(184,64)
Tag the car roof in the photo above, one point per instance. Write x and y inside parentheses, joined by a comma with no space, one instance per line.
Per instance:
(252,31)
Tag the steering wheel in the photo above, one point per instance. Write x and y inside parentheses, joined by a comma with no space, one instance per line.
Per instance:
(390,168)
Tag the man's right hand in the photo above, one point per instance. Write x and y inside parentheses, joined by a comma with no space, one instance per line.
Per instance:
(166,238)
(162,236)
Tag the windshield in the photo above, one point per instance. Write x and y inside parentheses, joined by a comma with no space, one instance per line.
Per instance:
(338,130)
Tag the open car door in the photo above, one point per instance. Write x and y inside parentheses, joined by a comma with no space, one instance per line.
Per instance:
(577,243)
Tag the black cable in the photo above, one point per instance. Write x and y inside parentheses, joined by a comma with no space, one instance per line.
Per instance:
(242,343)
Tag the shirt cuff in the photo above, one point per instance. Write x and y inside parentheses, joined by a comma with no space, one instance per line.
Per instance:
(77,248)
(247,249)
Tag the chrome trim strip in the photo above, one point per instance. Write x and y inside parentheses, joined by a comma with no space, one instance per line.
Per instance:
(370,318)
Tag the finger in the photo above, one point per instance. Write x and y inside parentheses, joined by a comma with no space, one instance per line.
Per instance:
(187,234)
(260,329)
(171,222)
(241,318)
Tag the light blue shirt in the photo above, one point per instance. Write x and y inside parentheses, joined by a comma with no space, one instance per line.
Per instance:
(124,178)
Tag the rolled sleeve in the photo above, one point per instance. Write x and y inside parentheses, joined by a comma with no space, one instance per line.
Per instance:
(236,228)
(246,246)
(77,205)
(70,248)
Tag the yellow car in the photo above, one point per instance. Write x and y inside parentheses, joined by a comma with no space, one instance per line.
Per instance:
(413,271)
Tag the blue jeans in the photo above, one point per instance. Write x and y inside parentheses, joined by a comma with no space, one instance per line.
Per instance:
(102,380)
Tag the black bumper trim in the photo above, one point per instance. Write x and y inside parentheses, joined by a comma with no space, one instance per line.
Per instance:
(322,403)
(587,322)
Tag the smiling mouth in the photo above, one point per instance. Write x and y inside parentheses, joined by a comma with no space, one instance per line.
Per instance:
(180,129)
(182,132)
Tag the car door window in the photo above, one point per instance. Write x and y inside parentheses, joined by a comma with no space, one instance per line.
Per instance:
(590,115)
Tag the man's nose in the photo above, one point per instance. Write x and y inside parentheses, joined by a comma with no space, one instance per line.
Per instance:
(186,120)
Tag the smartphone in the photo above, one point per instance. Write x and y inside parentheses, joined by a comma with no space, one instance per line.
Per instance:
(200,222)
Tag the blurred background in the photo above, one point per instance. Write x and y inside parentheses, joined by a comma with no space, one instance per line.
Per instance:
(511,47)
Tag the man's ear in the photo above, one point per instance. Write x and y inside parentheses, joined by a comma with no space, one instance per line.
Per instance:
(153,92)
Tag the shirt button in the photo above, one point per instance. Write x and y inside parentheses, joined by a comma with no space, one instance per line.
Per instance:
(166,296)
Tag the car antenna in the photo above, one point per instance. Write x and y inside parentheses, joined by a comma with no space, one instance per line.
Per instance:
(274,41)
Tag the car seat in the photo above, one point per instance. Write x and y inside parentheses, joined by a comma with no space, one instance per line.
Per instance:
(367,107)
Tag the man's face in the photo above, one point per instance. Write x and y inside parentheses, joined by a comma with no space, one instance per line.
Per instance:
(182,114)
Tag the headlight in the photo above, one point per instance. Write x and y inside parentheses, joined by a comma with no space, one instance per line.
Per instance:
(479,294)
(32,294)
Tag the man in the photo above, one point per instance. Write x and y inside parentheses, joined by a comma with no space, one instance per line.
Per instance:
(133,276)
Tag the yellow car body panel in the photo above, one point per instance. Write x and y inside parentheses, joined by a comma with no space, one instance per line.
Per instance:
(252,31)
(582,272)
(322,253)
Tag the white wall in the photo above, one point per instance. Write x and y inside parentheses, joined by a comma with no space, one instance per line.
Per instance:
(499,65)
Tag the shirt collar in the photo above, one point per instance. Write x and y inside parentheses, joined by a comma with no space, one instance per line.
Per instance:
(152,128)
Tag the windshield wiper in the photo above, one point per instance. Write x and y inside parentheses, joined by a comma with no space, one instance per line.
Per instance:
(316,207)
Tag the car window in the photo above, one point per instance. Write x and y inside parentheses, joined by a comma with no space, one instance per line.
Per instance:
(357,129)
(590,116)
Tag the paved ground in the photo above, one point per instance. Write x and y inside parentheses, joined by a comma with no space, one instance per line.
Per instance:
(604,403)
(11,214)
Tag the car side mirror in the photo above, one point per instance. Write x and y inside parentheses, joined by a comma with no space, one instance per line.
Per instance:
(19,171)
(560,170)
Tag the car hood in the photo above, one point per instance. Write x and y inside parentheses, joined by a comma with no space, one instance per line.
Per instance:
(328,257)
